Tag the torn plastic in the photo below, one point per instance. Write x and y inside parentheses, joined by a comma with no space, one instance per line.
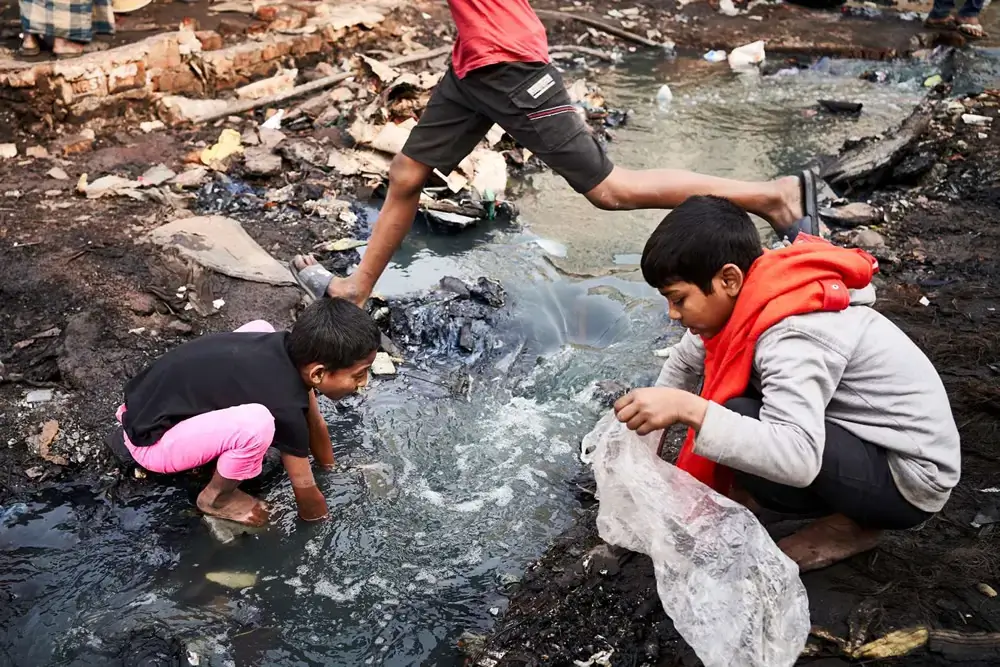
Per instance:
(732,594)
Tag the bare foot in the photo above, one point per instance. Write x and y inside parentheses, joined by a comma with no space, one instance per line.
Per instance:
(235,506)
(970,27)
(344,288)
(827,541)
(64,47)
(30,46)
(790,208)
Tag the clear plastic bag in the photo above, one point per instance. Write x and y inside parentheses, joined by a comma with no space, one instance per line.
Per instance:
(731,593)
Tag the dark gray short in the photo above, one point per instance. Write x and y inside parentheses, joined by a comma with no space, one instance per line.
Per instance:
(529,101)
(854,480)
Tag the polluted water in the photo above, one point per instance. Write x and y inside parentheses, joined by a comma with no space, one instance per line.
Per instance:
(441,497)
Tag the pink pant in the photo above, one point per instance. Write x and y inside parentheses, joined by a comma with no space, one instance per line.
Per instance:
(238,437)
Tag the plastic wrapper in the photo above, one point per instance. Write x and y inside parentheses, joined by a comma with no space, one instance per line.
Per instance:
(731,593)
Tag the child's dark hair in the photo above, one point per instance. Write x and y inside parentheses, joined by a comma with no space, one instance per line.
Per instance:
(332,332)
(698,238)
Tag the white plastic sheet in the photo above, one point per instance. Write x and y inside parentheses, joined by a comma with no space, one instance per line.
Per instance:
(732,594)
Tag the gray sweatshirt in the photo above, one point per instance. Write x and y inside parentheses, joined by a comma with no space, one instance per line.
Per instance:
(853,368)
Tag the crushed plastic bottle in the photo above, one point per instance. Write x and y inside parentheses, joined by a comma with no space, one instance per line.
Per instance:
(664,96)
(732,594)
(747,56)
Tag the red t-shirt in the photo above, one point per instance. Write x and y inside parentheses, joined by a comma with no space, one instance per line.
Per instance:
(496,31)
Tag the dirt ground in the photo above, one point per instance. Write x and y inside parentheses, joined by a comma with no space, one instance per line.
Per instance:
(945,239)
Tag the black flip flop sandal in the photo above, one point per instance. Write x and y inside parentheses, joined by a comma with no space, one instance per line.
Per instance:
(313,279)
(808,223)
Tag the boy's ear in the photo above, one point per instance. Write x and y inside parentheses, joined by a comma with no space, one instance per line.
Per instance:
(731,278)
(314,374)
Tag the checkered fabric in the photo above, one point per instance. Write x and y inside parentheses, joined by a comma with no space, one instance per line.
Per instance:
(75,20)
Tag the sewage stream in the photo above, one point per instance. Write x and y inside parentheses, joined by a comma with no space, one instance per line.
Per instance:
(442,500)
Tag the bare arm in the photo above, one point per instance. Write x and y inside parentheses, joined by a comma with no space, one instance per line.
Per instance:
(319,434)
(308,497)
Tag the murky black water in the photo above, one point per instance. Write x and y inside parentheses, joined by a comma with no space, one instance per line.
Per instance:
(442,500)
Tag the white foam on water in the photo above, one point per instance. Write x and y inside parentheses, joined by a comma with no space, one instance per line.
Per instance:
(346,593)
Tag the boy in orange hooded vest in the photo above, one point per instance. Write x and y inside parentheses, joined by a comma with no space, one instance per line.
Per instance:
(811,402)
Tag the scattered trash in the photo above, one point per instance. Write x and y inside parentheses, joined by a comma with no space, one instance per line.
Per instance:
(151,126)
(218,304)
(728,613)
(854,214)
(39,396)
(11,512)
(229,144)
(383,365)
(234,580)
(664,96)
(274,122)
(260,161)
(449,219)
(856,12)
(8,151)
(192,178)
(44,439)
(893,645)
(975,119)
(716,56)
(987,590)
(109,185)
(836,106)
(601,658)
(157,175)
(221,244)
(747,56)
(37,152)
(58,174)
(924,301)
(932,81)
(340,245)
(988,515)
(727,8)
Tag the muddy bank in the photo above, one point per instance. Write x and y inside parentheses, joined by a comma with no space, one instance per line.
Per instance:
(939,242)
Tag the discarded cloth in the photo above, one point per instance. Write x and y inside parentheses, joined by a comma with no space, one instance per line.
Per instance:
(809,276)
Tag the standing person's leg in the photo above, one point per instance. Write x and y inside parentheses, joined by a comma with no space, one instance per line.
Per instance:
(530,101)
(968,19)
(940,15)
(854,493)
(235,438)
(449,129)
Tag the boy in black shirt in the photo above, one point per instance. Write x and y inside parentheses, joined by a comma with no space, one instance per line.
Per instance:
(229,397)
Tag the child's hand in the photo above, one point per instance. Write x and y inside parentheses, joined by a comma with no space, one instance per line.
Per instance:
(312,504)
(655,408)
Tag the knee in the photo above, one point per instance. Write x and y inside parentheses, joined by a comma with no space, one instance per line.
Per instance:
(613,194)
(407,176)
(256,423)
(748,407)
